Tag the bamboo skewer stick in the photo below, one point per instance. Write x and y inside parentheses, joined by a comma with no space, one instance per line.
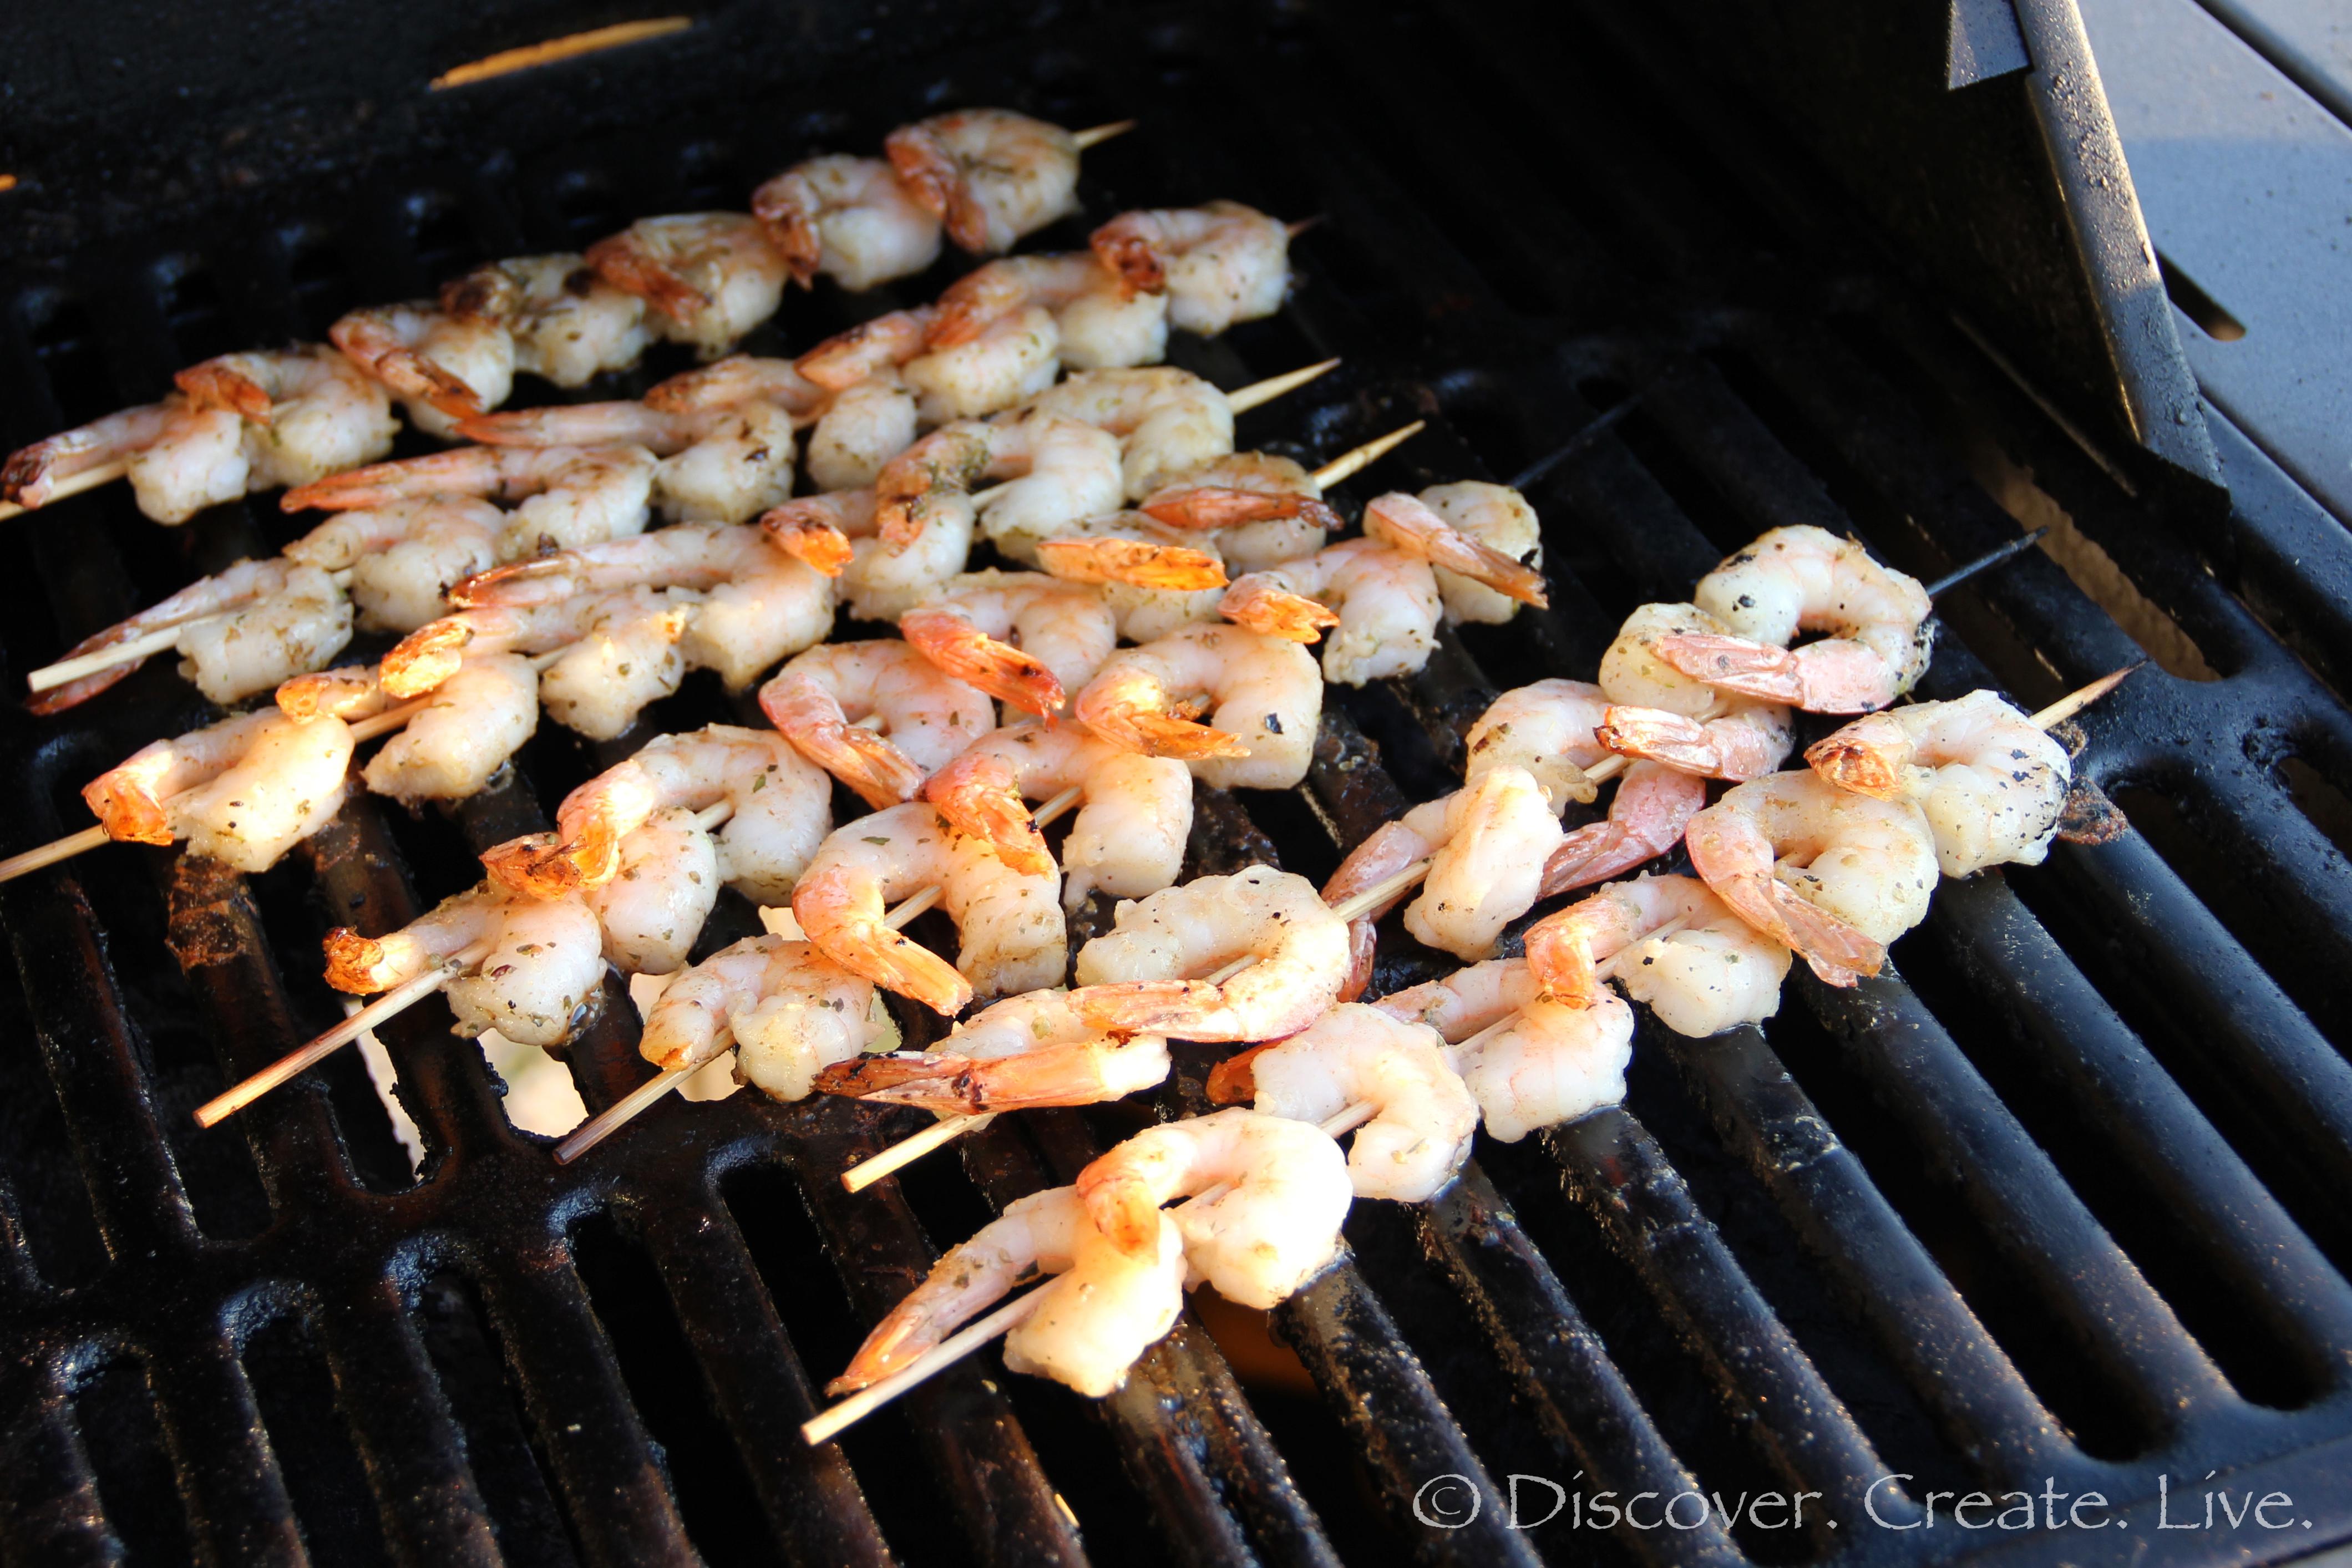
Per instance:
(160,640)
(1096,135)
(1350,464)
(622,1111)
(73,485)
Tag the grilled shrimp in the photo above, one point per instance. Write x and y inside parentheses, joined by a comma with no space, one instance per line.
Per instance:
(1833,874)
(882,579)
(849,218)
(1380,605)
(1025,1050)
(1807,580)
(1488,846)
(758,604)
(859,433)
(1265,694)
(989,175)
(718,465)
(470,728)
(1545,728)
(1139,978)
(540,981)
(623,652)
(884,342)
(1100,325)
(242,792)
(1020,636)
(1272,1228)
(403,557)
(782,810)
(1064,470)
(1499,518)
(1219,263)
(927,715)
(1016,356)
(568,324)
(1169,422)
(1403,523)
(1134,816)
(788,1010)
(179,458)
(653,909)
(569,495)
(707,279)
(443,368)
(1423,1115)
(240,631)
(1663,714)
(1106,1307)
(1712,973)
(1263,510)
(1991,783)
(1155,579)
(1548,1063)
(1009,922)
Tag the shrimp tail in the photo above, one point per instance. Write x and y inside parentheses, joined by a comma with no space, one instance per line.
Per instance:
(131,813)
(1129,247)
(1257,603)
(1401,522)
(541,581)
(979,796)
(895,963)
(627,264)
(789,229)
(1234,1081)
(1216,506)
(355,963)
(929,173)
(425,657)
(543,865)
(1147,1006)
(810,540)
(1850,761)
(997,668)
(213,384)
(1139,717)
(73,693)
(1659,735)
(1838,953)
(1131,561)
(1123,1207)
(1735,665)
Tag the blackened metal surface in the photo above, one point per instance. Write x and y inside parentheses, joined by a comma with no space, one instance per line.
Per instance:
(2055,1203)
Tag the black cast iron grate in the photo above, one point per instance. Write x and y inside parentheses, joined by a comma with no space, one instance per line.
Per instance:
(2058,1205)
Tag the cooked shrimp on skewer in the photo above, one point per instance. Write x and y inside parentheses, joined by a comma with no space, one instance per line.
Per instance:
(568,496)
(1423,1114)
(240,423)
(759,603)
(1106,1306)
(622,653)
(240,631)
(1403,523)
(1833,874)
(443,368)
(403,557)
(1265,694)
(883,578)
(883,344)
(1218,264)
(568,324)
(1100,323)
(537,984)
(470,728)
(242,792)
(781,804)
(1486,843)
(1376,609)
(718,465)
(1155,579)
(849,218)
(1065,469)
(928,715)
(1543,1063)
(989,175)
(1023,1052)
(1137,977)
(1263,509)
(1807,580)
(1010,921)
(1660,713)
(1993,784)
(1014,357)
(788,1010)
(653,909)
(1134,816)
(1021,636)
(707,279)
(1169,422)
(1273,1224)
(1712,971)
(1499,518)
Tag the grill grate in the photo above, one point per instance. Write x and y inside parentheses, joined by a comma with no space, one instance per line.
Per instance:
(2075,1175)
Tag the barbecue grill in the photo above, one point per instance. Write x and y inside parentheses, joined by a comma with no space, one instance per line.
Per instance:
(2056,1202)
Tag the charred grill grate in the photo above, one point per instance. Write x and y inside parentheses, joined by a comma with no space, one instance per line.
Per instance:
(2059,1202)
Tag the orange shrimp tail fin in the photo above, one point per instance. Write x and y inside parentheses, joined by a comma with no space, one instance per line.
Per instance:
(1169,735)
(1276,611)
(619,260)
(1000,669)
(899,963)
(1144,1007)
(216,385)
(538,865)
(425,657)
(866,1075)
(1234,1081)
(1123,1208)
(1658,735)
(22,477)
(1363,940)
(539,581)
(1851,764)
(810,540)
(485,294)
(1131,256)
(1735,665)
(1131,561)
(372,485)
(1837,952)
(1217,506)
(1562,962)
(349,692)
(882,774)
(354,961)
(977,796)
(131,814)
(790,231)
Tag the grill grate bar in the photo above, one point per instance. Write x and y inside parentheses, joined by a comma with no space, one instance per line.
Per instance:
(50,1509)
(238,1508)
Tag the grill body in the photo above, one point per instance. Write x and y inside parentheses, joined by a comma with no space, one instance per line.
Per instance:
(2051,1204)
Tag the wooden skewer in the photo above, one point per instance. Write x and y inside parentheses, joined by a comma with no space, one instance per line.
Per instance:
(1350,464)
(1095,136)
(394,1002)
(160,640)
(73,485)
(823,1427)
(623,1110)
(906,1152)
(2074,702)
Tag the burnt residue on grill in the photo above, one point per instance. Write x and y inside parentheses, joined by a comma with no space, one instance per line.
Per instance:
(2056,1201)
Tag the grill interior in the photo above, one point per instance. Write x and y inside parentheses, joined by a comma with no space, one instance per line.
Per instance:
(2059,1200)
